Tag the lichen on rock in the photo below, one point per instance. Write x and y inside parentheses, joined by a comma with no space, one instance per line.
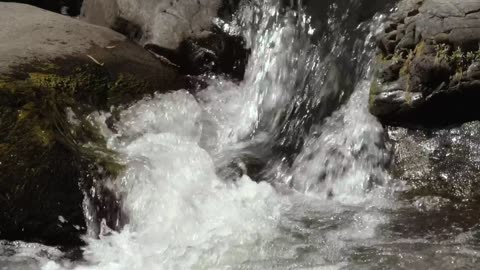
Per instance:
(429,54)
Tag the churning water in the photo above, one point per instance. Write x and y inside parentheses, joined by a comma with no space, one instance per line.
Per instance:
(323,199)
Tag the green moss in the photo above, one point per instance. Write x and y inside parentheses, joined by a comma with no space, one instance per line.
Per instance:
(420,49)
(408,90)
(396,57)
(35,133)
(3,84)
(126,88)
(405,69)
(472,57)
(442,53)
(381,59)
(44,136)
(457,59)
(458,76)
(44,66)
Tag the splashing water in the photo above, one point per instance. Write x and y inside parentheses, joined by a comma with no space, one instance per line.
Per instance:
(188,189)
(181,214)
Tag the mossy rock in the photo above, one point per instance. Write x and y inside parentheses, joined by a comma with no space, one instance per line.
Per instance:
(429,64)
(51,153)
(48,146)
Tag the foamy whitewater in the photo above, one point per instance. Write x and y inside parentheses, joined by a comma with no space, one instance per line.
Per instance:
(186,191)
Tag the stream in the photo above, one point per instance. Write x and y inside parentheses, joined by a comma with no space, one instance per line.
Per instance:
(283,170)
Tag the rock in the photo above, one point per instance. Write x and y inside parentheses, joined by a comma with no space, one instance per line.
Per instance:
(54,72)
(228,8)
(438,162)
(197,46)
(430,203)
(428,54)
(217,53)
(65,7)
(160,22)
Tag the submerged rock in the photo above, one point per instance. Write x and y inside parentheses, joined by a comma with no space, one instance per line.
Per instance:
(439,162)
(428,64)
(54,72)
(439,171)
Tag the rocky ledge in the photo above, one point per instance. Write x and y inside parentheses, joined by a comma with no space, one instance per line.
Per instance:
(429,64)
(426,93)
(54,72)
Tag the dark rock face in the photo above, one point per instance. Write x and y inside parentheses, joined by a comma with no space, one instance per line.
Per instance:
(217,53)
(51,154)
(194,44)
(428,64)
(442,162)
(228,8)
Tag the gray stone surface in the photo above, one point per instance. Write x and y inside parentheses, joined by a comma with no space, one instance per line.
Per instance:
(28,32)
(428,61)
(162,22)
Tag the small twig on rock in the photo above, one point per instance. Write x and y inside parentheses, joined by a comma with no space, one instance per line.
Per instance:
(95,60)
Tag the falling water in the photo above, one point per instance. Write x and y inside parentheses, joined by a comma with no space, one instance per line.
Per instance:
(284,170)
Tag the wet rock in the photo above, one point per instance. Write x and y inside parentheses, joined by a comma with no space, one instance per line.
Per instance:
(52,77)
(428,51)
(228,8)
(438,162)
(430,203)
(161,22)
(217,53)
(65,7)
(181,33)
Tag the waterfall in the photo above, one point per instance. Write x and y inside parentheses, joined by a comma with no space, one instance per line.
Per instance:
(284,170)
(184,215)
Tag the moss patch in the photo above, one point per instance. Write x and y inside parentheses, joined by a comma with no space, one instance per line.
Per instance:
(456,58)
(36,99)
(44,156)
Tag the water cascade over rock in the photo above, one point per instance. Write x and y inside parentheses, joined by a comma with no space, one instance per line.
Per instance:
(267,153)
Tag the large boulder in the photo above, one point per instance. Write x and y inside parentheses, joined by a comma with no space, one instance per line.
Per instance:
(429,64)
(162,22)
(54,72)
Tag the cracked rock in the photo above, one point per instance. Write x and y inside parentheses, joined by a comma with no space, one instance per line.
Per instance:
(429,50)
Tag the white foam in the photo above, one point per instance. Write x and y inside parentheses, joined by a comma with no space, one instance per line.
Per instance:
(181,215)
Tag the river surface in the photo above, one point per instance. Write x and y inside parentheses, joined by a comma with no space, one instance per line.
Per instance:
(284,170)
